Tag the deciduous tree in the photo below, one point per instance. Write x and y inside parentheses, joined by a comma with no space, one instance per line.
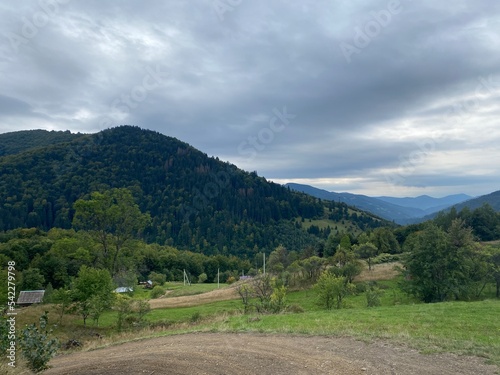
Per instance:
(114,218)
(93,292)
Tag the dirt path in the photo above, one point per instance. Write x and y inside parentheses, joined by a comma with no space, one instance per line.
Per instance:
(211,353)
(194,300)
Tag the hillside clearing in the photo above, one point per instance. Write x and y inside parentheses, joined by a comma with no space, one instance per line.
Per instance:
(194,300)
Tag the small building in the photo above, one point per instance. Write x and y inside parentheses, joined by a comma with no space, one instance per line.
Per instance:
(147,284)
(29,297)
(124,289)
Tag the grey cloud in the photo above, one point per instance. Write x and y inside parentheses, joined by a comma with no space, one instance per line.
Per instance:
(226,76)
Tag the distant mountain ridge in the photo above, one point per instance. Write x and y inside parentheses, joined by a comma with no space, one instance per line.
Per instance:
(400,210)
(426,202)
(492,199)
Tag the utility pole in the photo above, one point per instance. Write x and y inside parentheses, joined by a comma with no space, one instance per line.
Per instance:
(264,264)
(218,272)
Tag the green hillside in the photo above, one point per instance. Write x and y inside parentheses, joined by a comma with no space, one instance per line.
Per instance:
(196,202)
(17,142)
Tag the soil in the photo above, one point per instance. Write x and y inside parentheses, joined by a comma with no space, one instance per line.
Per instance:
(213,353)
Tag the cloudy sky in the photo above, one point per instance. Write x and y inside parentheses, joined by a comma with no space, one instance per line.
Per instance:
(394,97)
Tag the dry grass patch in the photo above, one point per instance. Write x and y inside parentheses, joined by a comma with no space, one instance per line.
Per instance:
(384,271)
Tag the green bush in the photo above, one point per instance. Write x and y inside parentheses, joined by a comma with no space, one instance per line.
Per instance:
(202,278)
(157,292)
(196,317)
(373,295)
(360,288)
(37,348)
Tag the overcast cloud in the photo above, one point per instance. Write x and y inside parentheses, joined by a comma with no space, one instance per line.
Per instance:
(384,97)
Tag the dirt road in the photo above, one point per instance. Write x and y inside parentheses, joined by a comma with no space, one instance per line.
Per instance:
(211,353)
(195,300)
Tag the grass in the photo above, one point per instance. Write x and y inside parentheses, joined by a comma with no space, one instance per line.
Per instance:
(465,328)
(177,315)
(459,327)
(177,289)
(471,328)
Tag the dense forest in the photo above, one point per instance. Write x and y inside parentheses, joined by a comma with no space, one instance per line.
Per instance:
(195,202)
(16,142)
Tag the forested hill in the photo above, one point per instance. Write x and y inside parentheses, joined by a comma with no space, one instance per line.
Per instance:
(17,142)
(195,202)
(492,199)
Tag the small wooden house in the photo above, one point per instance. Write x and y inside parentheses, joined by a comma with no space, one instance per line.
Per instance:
(29,297)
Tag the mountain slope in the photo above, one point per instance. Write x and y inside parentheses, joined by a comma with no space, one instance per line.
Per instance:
(196,202)
(426,203)
(400,210)
(493,199)
(388,211)
(20,141)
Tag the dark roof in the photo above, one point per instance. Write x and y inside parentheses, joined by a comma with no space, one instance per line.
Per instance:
(28,297)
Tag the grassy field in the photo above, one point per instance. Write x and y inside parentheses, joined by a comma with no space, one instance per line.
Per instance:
(177,289)
(457,327)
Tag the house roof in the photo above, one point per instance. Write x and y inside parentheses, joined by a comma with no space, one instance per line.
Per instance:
(27,297)
(124,289)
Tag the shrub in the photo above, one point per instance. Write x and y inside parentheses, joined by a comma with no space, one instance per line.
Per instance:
(373,295)
(265,294)
(130,312)
(196,317)
(360,288)
(332,289)
(37,347)
(202,278)
(157,292)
